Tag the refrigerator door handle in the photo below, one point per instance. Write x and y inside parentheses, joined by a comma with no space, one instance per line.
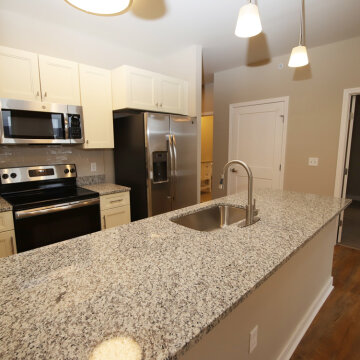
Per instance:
(175,165)
(170,196)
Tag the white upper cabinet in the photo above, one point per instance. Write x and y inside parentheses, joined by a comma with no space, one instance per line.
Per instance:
(59,80)
(171,94)
(19,74)
(95,87)
(145,90)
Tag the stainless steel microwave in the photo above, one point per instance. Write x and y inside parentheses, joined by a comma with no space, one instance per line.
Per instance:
(35,122)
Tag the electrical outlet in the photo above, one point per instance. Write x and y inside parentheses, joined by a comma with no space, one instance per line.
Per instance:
(253,339)
(313,161)
(93,166)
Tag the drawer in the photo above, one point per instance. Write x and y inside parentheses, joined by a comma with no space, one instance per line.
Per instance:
(115,217)
(114,200)
(6,221)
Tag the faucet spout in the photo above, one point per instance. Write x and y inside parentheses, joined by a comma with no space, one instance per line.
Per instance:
(250,208)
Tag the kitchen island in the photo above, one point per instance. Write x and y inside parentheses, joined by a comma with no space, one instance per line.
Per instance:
(167,286)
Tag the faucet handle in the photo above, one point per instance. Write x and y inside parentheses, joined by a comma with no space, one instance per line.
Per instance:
(221,184)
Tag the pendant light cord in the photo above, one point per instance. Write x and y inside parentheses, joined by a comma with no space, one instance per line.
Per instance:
(301,37)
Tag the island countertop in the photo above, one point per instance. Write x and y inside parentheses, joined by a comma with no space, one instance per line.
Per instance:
(162,284)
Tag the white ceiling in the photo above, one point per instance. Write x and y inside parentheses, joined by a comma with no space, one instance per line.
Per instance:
(158,27)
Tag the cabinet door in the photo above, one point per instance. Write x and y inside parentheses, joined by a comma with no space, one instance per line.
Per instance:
(141,89)
(95,88)
(59,80)
(19,74)
(171,94)
(7,243)
(115,217)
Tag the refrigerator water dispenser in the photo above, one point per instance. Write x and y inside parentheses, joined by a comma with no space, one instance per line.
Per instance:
(160,166)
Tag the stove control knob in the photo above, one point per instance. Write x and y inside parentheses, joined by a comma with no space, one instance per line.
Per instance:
(66,171)
(13,175)
(72,170)
(5,176)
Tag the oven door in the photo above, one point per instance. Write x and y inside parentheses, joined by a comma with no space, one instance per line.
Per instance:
(47,225)
(27,122)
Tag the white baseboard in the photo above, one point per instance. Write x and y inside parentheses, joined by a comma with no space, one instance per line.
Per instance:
(306,321)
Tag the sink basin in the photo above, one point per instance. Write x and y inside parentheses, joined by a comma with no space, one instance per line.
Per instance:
(213,218)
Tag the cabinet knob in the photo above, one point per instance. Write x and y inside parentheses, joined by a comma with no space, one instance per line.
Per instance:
(45,94)
(157,104)
(160,105)
(87,141)
(38,93)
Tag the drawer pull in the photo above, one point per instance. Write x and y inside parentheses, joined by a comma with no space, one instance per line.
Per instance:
(114,201)
(104,222)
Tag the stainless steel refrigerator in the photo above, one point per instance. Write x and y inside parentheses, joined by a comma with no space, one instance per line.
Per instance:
(156,155)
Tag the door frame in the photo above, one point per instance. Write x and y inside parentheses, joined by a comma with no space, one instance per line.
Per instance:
(285,100)
(343,151)
(343,140)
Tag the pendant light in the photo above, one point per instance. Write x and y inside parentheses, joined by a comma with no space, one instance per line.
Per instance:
(299,56)
(248,23)
(101,7)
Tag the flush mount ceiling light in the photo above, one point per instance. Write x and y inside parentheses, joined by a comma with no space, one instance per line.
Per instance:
(248,23)
(101,7)
(299,56)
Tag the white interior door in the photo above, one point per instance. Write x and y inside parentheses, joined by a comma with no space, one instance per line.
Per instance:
(257,136)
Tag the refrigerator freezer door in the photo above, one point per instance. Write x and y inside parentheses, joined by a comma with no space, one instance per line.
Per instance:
(184,135)
(158,160)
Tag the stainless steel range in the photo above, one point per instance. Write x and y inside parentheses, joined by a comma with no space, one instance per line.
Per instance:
(48,207)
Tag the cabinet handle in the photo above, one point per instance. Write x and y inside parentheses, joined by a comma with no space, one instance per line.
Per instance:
(45,94)
(38,93)
(160,105)
(157,104)
(12,245)
(114,201)
(87,141)
(104,222)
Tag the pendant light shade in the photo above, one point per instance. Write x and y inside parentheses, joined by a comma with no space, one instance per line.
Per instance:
(248,23)
(101,7)
(299,56)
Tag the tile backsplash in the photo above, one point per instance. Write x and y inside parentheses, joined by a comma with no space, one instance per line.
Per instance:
(27,155)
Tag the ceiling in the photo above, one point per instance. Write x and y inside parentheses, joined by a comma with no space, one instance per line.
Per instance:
(159,27)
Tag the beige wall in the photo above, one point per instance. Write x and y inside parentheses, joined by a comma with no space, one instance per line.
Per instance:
(13,156)
(207,98)
(314,110)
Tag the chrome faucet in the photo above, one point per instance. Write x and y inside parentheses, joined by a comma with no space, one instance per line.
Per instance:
(251,211)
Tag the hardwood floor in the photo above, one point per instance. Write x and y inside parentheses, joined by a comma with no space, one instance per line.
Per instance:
(335,332)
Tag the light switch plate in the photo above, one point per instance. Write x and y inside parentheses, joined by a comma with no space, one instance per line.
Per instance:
(93,166)
(313,161)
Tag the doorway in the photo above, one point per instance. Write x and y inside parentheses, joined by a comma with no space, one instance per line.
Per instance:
(349,229)
(207,126)
(257,135)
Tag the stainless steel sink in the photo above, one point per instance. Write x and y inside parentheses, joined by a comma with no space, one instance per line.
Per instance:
(213,218)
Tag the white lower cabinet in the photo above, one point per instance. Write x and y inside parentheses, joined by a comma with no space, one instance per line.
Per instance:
(7,243)
(7,234)
(115,210)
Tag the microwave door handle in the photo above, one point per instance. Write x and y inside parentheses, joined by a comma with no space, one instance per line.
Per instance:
(66,127)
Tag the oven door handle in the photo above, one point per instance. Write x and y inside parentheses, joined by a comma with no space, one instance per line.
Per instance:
(22,214)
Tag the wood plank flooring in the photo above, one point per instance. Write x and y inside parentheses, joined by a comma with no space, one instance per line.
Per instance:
(335,332)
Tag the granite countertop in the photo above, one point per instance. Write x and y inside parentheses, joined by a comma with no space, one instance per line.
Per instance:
(162,284)
(4,205)
(106,188)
